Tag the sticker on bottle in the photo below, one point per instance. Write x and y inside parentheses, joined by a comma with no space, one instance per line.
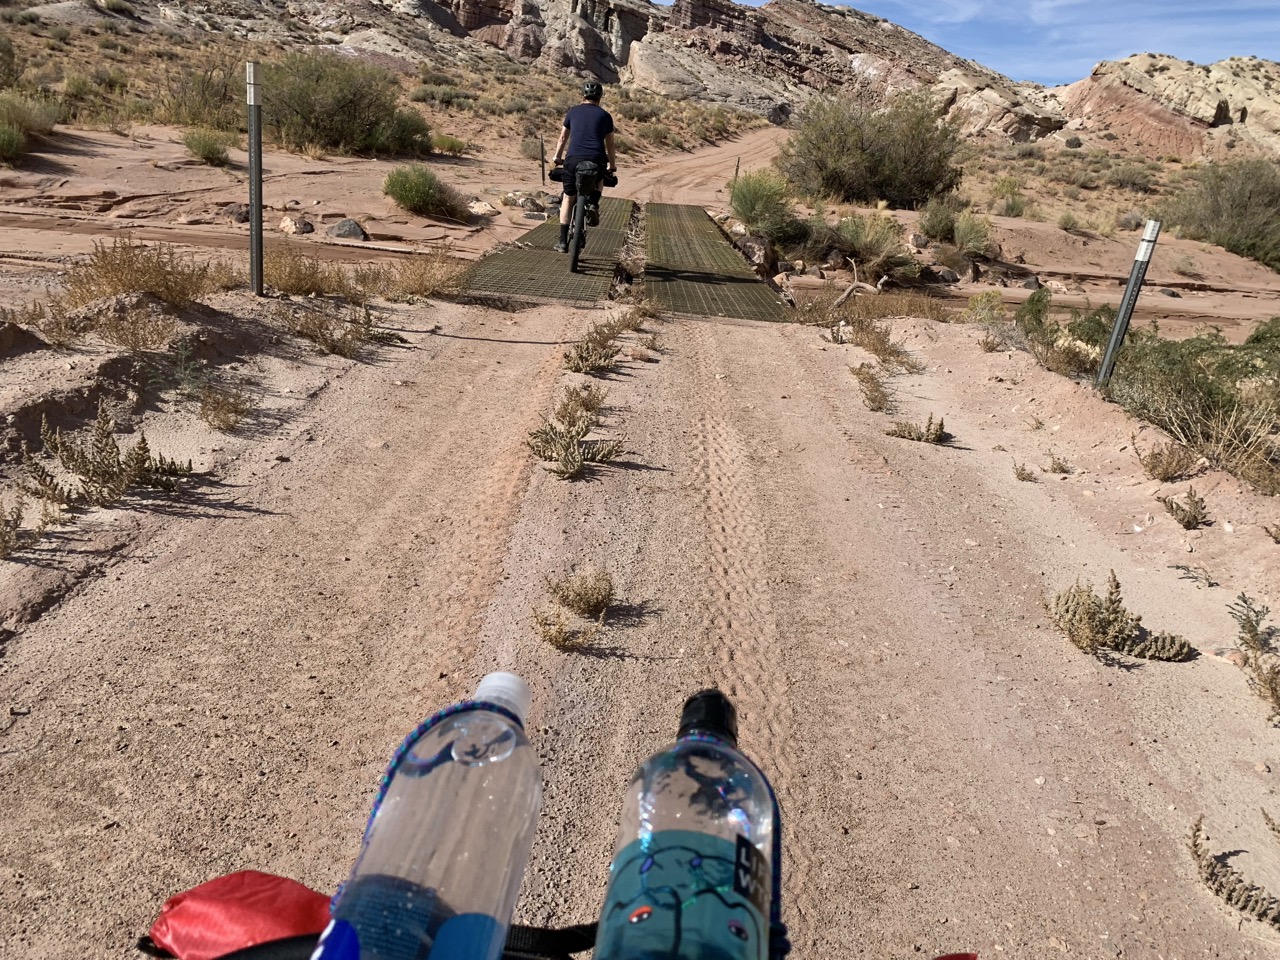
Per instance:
(680,895)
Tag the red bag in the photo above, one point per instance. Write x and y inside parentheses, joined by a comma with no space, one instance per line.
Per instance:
(237,911)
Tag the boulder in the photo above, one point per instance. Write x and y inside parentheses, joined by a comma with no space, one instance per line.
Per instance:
(236,212)
(347,229)
(1168,292)
(531,205)
(973,274)
(1031,283)
(759,253)
(296,225)
(482,208)
(944,274)
(919,241)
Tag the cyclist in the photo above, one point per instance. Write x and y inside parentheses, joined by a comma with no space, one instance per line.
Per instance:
(588,133)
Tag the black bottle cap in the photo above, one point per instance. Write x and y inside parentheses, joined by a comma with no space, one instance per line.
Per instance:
(709,711)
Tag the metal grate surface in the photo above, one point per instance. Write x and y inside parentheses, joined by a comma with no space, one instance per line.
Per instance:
(692,269)
(534,271)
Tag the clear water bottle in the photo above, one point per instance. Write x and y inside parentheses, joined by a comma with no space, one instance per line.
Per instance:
(445,852)
(691,877)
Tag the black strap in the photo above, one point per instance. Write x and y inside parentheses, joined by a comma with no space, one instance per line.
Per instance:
(523,943)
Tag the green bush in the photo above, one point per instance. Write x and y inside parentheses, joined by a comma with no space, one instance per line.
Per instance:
(444,143)
(844,148)
(444,94)
(1137,179)
(657,133)
(875,244)
(30,115)
(938,217)
(762,200)
(420,191)
(12,143)
(208,93)
(1235,205)
(326,101)
(1074,143)
(210,146)
(1069,222)
(972,234)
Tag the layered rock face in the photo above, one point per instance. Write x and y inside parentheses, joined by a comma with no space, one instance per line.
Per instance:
(1183,108)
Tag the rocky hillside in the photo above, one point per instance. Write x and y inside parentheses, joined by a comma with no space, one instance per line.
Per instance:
(772,59)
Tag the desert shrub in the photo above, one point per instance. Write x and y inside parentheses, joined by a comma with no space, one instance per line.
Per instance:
(444,143)
(873,242)
(432,76)
(1130,220)
(1190,512)
(1235,205)
(1074,143)
(446,95)
(420,191)
(1095,624)
(29,115)
(901,153)
(338,104)
(292,272)
(873,382)
(210,145)
(124,266)
(588,595)
(938,217)
(1166,461)
(762,200)
(972,234)
(929,433)
(638,111)
(531,148)
(12,143)
(1011,205)
(10,65)
(207,92)
(658,134)
(122,7)
(984,308)
(1069,222)
(1137,179)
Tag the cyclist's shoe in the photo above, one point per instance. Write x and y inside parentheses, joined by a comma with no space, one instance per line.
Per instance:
(561,247)
(593,216)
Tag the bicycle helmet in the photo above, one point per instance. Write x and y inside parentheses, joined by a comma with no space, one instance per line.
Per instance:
(591,90)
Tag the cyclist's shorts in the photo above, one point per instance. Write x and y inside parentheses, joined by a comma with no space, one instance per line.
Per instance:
(571,168)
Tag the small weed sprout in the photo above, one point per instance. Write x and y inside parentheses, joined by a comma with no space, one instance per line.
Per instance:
(12,535)
(930,433)
(1035,423)
(1166,462)
(1190,513)
(991,341)
(1024,473)
(1057,464)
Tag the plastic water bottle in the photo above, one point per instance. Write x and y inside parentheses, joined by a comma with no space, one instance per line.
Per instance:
(445,852)
(691,877)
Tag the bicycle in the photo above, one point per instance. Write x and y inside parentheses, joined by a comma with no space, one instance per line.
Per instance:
(590,179)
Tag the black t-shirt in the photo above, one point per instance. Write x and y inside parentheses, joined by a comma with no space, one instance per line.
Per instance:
(588,124)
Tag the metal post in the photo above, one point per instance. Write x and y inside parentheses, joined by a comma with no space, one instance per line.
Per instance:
(254,99)
(736,165)
(1140,262)
(542,155)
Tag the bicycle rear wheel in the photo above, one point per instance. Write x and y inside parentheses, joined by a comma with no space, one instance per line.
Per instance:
(577,232)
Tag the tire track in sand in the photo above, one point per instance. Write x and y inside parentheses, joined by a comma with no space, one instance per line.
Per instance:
(741,625)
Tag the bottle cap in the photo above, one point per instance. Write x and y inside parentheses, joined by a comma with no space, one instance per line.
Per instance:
(506,690)
(710,711)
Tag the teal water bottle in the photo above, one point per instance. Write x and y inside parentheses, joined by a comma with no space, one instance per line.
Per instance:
(691,876)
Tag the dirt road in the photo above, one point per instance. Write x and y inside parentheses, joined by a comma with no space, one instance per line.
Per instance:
(953,774)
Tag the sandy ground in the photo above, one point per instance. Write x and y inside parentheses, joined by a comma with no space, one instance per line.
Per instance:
(217,682)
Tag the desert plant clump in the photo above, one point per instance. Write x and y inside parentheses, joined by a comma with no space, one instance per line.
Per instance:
(1235,205)
(12,535)
(339,104)
(564,444)
(762,200)
(1190,513)
(985,307)
(125,266)
(1229,884)
(555,629)
(224,406)
(1257,643)
(1166,462)
(871,244)
(899,152)
(872,381)
(588,595)
(1272,532)
(448,144)
(1057,464)
(342,329)
(418,190)
(104,471)
(13,143)
(991,341)
(139,328)
(1024,473)
(598,349)
(210,146)
(1096,623)
(972,234)
(930,433)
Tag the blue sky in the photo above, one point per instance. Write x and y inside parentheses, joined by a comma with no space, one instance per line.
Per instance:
(1059,41)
